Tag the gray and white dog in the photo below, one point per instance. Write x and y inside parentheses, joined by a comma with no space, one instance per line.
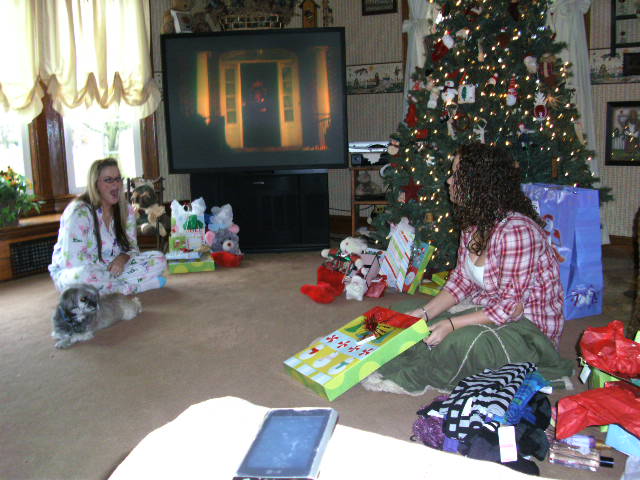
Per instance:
(82,311)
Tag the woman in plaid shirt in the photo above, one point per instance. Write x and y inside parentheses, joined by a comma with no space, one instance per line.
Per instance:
(505,262)
(506,269)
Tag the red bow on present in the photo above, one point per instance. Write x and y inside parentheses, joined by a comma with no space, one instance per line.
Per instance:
(378,318)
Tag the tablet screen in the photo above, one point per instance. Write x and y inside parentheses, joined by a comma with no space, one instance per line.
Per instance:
(286,444)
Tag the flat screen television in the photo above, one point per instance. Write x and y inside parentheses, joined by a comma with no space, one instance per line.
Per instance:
(255,100)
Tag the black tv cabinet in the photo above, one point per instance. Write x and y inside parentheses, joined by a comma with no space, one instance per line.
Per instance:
(276,210)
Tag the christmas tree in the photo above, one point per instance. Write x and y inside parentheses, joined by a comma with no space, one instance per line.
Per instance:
(492,75)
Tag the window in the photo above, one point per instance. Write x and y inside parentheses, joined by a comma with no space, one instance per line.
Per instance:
(14,147)
(287,87)
(89,137)
(230,89)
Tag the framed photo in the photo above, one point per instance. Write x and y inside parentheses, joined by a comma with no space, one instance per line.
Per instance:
(375,78)
(623,127)
(182,21)
(375,7)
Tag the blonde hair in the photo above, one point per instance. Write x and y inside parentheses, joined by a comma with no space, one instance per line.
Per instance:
(92,198)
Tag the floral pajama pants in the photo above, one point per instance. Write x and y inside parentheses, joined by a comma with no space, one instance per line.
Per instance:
(140,274)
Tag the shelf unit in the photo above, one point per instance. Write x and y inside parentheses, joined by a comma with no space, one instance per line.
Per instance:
(356,202)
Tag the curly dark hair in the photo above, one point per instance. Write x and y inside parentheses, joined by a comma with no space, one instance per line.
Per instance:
(487,187)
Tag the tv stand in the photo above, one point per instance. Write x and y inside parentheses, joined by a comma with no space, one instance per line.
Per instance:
(280,210)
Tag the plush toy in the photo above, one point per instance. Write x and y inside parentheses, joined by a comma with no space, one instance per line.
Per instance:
(341,263)
(222,219)
(149,212)
(222,237)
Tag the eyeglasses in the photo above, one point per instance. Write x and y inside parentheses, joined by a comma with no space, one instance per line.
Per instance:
(111,180)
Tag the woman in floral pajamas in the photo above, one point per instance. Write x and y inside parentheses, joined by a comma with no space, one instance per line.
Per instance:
(97,240)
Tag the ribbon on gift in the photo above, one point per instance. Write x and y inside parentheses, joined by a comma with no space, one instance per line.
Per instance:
(584,295)
(380,318)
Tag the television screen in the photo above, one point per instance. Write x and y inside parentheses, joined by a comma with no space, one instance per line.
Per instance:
(255,100)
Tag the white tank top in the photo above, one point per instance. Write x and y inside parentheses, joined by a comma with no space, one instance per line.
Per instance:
(475,272)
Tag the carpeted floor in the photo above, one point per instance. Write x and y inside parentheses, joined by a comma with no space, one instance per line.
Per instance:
(75,414)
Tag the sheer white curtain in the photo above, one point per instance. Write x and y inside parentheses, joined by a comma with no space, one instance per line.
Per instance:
(95,54)
(91,54)
(421,13)
(566,18)
(20,90)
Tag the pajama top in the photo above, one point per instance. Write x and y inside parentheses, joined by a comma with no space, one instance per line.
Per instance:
(75,254)
(520,268)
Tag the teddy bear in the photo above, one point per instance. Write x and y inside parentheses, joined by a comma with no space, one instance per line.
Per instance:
(150,214)
(222,237)
(222,219)
(340,264)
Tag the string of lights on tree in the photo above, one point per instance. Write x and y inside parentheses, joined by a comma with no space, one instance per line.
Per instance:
(492,75)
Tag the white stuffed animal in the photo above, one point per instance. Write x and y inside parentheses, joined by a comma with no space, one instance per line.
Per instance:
(350,246)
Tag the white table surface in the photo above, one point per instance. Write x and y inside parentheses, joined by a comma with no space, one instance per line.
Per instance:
(209,440)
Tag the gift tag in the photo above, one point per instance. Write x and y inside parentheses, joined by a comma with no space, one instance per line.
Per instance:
(507,439)
(584,374)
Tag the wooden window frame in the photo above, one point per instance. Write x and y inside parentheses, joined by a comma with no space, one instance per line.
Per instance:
(48,157)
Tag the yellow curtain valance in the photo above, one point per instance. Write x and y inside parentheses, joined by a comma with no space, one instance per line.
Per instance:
(89,55)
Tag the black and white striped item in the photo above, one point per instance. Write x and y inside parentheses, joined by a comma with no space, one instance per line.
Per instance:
(475,397)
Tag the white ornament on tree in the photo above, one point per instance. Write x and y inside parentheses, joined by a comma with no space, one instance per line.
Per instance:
(540,111)
(466,91)
(434,94)
(531,63)
(480,129)
(449,93)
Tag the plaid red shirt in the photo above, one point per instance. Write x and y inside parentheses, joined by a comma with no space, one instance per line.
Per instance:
(520,268)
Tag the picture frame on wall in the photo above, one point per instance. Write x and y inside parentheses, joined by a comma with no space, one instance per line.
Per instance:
(622,136)
(375,78)
(182,21)
(376,7)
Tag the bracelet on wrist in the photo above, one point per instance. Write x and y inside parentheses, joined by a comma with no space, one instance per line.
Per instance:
(453,327)
(424,312)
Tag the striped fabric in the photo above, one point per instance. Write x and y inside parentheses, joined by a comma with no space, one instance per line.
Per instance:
(478,398)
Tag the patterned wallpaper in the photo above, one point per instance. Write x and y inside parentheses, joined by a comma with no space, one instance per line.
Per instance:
(624,181)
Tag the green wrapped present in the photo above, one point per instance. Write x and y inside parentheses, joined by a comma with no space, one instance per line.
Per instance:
(204,264)
(342,359)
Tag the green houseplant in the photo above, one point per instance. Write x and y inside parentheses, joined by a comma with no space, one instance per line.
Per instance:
(15,198)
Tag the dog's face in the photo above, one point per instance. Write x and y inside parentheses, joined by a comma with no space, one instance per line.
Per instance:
(144,196)
(77,309)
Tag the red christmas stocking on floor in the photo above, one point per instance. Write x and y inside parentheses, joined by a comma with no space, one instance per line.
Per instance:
(330,285)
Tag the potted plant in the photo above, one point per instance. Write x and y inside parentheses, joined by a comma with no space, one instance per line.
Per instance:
(15,198)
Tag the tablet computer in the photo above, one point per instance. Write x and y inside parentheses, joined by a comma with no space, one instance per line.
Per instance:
(289,444)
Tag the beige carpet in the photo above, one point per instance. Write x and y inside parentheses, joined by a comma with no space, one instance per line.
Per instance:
(75,414)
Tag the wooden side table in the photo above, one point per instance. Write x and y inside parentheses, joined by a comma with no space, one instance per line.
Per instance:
(26,248)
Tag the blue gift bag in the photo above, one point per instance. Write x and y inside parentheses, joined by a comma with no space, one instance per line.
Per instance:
(573,228)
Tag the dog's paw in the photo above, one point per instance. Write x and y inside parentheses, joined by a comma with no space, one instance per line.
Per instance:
(137,303)
(63,344)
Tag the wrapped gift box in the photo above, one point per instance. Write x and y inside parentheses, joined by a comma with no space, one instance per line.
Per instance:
(340,360)
(204,264)
(422,253)
(433,286)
